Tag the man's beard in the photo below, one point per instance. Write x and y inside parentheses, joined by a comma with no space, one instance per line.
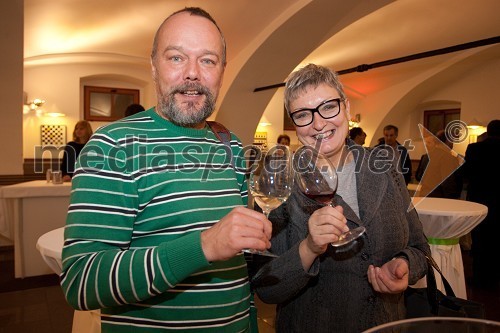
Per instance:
(190,116)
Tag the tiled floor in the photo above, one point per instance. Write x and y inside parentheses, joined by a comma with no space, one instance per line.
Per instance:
(489,297)
(37,304)
(37,310)
(31,305)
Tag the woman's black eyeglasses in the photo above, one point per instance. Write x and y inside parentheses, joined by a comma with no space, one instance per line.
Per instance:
(327,110)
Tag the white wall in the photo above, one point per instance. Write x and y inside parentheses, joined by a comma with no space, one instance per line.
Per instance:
(477,91)
(457,81)
(61,86)
(474,90)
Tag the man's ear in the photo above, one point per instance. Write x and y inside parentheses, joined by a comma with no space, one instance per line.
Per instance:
(154,72)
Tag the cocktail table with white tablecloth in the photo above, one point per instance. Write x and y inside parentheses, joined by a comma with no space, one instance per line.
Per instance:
(29,210)
(444,222)
(50,246)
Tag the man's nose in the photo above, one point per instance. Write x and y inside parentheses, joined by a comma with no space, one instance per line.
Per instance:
(192,70)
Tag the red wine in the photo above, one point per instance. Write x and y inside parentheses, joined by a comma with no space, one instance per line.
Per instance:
(323,197)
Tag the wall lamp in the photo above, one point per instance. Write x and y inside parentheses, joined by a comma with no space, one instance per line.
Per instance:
(354,121)
(33,106)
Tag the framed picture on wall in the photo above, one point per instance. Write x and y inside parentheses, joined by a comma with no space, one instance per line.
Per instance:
(107,104)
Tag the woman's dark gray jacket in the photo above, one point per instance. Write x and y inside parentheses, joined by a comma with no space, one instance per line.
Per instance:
(335,295)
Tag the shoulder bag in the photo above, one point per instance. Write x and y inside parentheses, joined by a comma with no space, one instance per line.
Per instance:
(431,302)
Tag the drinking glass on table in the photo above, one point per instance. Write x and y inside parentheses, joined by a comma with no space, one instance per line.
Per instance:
(317,178)
(270,183)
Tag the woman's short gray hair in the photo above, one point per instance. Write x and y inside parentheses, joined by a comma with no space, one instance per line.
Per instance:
(311,76)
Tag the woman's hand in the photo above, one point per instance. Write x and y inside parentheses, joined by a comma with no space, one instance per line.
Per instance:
(391,278)
(325,226)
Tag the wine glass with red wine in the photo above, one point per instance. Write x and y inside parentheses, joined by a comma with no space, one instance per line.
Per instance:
(317,179)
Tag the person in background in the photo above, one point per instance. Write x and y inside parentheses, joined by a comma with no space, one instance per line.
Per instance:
(284,139)
(481,169)
(357,135)
(319,288)
(152,238)
(482,137)
(442,177)
(81,135)
(133,109)
(399,152)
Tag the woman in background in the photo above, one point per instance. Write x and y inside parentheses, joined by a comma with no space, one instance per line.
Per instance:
(81,135)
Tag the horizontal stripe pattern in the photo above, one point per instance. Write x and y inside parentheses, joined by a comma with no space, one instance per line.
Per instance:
(143,191)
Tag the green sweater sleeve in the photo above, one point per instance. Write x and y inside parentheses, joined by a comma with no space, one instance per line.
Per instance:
(100,267)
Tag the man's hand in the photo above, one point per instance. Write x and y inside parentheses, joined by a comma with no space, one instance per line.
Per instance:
(242,228)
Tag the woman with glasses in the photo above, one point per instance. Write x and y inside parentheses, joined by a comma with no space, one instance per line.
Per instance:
(320,288)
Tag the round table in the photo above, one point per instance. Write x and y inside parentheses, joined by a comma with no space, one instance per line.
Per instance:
(50,246)
(444,222)
(29,210)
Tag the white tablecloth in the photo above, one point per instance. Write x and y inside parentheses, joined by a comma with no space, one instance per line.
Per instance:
(36,188)
(31,209)
(444,222)
(50,246)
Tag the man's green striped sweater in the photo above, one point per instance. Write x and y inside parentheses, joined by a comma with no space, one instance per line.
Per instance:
(143,191)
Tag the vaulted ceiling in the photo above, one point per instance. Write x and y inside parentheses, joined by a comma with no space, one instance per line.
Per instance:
(267,39)
(362,32)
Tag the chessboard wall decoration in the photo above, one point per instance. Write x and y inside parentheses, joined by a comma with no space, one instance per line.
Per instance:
(53,135)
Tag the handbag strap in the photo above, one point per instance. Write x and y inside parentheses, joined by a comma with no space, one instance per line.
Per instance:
(432,291)
(447,286)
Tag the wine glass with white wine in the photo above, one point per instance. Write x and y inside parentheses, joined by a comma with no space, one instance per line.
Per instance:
(270,183)
(317,179)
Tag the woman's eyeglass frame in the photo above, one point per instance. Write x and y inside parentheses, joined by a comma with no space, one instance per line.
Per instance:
(316,110)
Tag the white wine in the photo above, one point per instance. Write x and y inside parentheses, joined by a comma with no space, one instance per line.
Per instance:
(268,202)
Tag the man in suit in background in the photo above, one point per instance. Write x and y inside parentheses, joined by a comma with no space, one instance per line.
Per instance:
(400,152)
(482,165)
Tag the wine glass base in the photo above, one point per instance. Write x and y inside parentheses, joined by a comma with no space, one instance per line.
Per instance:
(349,236)
(260,253)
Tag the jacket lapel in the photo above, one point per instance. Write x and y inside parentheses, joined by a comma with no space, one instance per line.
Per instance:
(370,185)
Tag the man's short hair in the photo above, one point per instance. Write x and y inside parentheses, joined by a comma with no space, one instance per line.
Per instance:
(194,11)
(354,132)
(391,127)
